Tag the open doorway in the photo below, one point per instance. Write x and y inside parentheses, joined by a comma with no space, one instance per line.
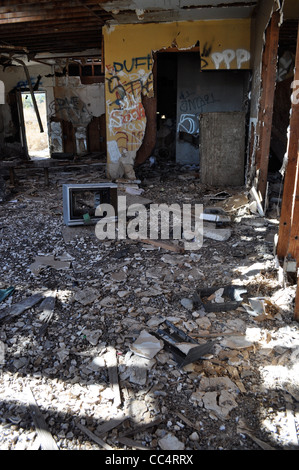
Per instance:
(37,142)
(186,93)
(166,105)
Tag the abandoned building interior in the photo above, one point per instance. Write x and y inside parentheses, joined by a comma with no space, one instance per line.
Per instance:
(139,342)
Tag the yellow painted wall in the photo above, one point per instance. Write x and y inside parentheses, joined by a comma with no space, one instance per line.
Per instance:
(224,44)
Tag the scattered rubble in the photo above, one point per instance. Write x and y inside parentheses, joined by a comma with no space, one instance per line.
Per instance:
(86,340)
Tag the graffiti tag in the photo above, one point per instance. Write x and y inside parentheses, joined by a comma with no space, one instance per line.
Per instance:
(227,56)
(188,103)
(136,62)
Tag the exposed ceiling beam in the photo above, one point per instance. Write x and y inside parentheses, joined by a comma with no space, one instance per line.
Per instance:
(65,14)
(49,25)
(22,3)
(76,28)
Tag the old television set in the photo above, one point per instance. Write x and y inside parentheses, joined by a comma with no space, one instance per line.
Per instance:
(81,200)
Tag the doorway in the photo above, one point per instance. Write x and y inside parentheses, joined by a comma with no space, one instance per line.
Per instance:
(166,105)
(185,91)
(37,142)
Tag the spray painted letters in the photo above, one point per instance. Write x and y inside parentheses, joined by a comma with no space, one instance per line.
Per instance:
(240,55)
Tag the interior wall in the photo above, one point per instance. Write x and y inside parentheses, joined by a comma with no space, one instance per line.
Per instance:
(68,101)
(128,71)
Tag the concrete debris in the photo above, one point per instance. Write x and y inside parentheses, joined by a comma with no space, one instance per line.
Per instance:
(218,234)
(86,297)
(42,262)
(170,442)
(101,304)
(146,345)
(187,303)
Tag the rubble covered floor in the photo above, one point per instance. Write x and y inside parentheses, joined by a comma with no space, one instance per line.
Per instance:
(74,354)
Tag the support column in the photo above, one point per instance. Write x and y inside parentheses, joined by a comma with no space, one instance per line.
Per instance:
(290,180)
(267,100)
(296,308)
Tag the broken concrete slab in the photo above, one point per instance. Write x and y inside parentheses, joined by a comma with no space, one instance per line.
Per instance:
(220,403)
(217,395)
(170,442)
(146,345)
(49,260)
(187,303)
(136,369)
(218,234)
(86,296)
(235,202)
(93,336)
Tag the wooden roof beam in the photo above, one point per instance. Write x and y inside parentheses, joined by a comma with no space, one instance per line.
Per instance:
(46,32)
(42,15)
(53,28)
(36,4)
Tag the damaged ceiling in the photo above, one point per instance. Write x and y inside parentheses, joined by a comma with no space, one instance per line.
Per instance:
(135,11)
(47,27)
(50,26)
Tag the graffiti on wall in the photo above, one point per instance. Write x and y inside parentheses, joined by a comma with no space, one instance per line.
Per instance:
(135,64)
(190,107)
(35,82)
(129,79)
(190,102)
(126,83)
(228,56)
(189,123)
(69,107)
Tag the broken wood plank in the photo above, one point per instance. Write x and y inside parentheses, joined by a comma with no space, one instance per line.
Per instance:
(20,307)
(46,440)
(187,421)
(95,438)
(142,427)
(258,201)
(47,311)
(216,335)
(260,443)
(109,425)
(111,363)
(161,244)
(131,443)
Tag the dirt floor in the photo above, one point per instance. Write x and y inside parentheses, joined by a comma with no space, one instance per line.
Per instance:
(71,367)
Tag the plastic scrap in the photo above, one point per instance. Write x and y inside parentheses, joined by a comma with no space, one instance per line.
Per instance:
(232,293)
(176,343)
(4,293)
